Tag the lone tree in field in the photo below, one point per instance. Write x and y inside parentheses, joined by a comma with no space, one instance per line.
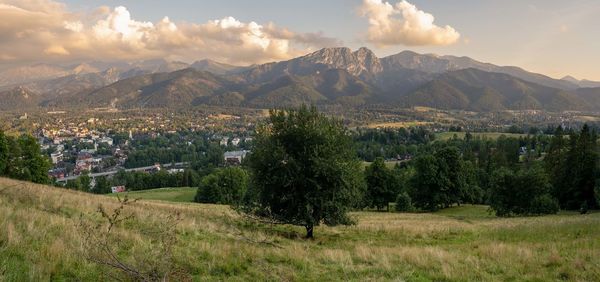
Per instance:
(305,171)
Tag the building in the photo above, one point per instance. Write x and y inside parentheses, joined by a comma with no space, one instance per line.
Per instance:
(56,157)
(117,189)
(235,157)
(58,173)
(106,140)
(224,141)
(83,163)
(235,141)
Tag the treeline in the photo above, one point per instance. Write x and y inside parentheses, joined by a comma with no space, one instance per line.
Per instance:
(530,175)
(525,176)
(21,158)
(195,148)
(390,143)
(135,181)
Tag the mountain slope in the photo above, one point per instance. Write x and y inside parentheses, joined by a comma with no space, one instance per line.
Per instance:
(361,63)
(477,90)
(217,68)
(440,64)
(328,76)
(18,98)
(175,89)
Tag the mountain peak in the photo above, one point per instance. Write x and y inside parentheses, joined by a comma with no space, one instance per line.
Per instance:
(570,79)
(359,63)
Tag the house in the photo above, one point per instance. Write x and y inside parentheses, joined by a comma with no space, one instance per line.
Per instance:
(58,173)
(117,189)
(235,141)
(107,140)
(235,157)
(224,141)
(83,163)
(56,157)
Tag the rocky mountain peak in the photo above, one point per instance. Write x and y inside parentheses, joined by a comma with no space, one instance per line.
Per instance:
(359,63)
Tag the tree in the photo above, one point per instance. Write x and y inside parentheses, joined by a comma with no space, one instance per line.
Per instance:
(443,179)
(85,182)
(451,175)
(35,165)
(304,170)
(582,169)
(102,186)
(523,192)
(574,168)
(404,203)
(426,189)
(15,169)
(555,162)
(382,187)
(224,186)
(4,153)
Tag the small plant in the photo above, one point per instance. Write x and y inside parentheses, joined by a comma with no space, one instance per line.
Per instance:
(404,203)
(103,244)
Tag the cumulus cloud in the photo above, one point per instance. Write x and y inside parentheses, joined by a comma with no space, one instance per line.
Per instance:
(35,30)
(404,24)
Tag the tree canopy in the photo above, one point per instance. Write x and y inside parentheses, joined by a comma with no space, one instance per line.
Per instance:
(304,170)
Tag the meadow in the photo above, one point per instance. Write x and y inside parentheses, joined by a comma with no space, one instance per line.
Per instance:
(40,240)
(488,135)
(176,194)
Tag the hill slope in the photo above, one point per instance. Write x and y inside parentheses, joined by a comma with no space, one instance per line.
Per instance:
(478,90)
(40,240)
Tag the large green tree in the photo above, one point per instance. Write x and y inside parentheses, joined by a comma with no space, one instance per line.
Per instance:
(443,179)
(526,191)
(573,164)
(4,153)
(305,170)
(35,165)
(382,185)
(223,186)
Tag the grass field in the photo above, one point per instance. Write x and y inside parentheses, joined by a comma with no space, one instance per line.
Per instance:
(182,195)
(402,124)
(40,241)
(489,135)
(388,164)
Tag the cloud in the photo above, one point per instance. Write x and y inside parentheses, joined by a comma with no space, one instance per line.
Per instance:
(404,24)
(45,30)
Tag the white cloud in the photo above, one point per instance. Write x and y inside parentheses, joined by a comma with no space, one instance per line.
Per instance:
(34,30)
(404,24)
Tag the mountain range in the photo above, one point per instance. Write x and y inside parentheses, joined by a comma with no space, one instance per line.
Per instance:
(328,76)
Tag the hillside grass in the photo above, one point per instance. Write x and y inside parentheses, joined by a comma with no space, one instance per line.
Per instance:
(40,241)
(490,135)
(179,194)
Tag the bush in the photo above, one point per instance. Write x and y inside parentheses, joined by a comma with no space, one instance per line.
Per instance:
(224,186)
(544,204)
(404,203)
(525,192)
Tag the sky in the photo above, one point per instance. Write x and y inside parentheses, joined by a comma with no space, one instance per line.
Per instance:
(553,37)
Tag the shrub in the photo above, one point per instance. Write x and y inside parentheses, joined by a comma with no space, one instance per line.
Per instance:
(524,192)
(544,204)
(404,203)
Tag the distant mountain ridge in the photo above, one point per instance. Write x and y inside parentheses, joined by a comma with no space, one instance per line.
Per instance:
(327,76)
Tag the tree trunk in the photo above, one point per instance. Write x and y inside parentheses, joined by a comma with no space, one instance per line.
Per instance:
(309,231)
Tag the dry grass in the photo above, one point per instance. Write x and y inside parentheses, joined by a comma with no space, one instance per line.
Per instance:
(39,241)
(400,124)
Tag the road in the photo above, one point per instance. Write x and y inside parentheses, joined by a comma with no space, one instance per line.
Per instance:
(107,173)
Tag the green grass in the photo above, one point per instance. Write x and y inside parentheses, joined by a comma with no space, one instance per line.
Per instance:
(489,135)
(40,240)
(388,164)
(185,194)
(467,212)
